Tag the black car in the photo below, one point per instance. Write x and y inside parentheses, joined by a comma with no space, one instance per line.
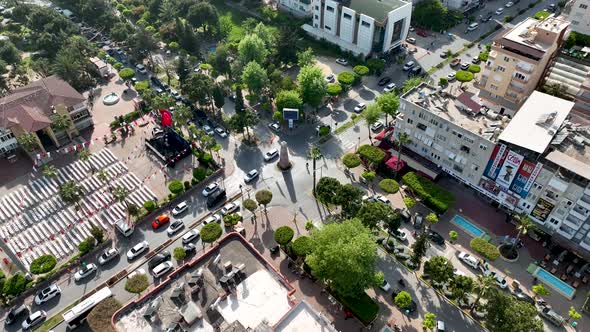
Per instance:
(159,258)
(190,248)
(524,297)
(216,197)
(436,238)
(487,17)
(156,81)
(384,80)
(15,313)
(415,71)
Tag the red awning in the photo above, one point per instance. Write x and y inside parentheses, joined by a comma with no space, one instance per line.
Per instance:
(383,133)
(394,164)
(166,118)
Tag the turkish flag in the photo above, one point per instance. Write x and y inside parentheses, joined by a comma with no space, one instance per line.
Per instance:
(166,118)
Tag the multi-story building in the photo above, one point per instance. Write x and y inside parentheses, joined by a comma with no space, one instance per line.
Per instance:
(361,26)
(536,163)
(582,102)
(461,5)
(32,109)
(518,61)
(296,7)
(579,14)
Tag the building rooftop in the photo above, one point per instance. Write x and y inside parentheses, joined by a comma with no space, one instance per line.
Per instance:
(377,9)
(526,33)
(303,318)
(537,122)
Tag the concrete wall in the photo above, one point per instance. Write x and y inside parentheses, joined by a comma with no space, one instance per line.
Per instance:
(348,25)
(403,13)
(580,16)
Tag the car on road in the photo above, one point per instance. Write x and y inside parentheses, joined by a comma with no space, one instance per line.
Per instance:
(411,40)
(15,313)
(190,248)
(221,132)
(360,107)
(451,76)
(390,87)
(409,65)
(377,126)
(275,126)
(552,316)
(475,60)
(190,236)
(229,208)
(216,217)
(108,255)
(85,271)
(465,65)
(216,198)
(159,258)
(135,273)
(137,250)
(375,198)
(341,61)
(141,69)
(208,130)
(400,235)
(385,286)
(270,155)
(330,78)
(34,319)
(160,220)
(436,238)
(552,8)
(47,294)
(500,281)
(211,188)
(524,297)
(180,208)
(509,4)
(253,174)
(382,199)
(175,226)
(468,259)
(486,17)
(473,26)
(418,219)
(176,95)
(415,71)
(440,326)
(162,269)
(384,80)
(499,11)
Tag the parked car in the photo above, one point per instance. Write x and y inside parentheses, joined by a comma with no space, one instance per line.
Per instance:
(405,214)
(253,174)
(418,220)
(436,238)
(377,126)
(465,65)
(229,208)
(85,271)
(552,316)
(330,78)
(211,188)
(175,94)
(175,226)
(15,313)
(390,87)
(440,326)
(415,71)
(509,4)
(208,130)
(385,286)
(180,208)
(136,272)
(400,235)
(524,297)
(500,281)
(108,255)
(475,60)
(34,319)
(485,18)
(455,62)
(451,76)
(411,40)
(190,248)
(216,197)
(221,132)
(141,69)
(409,65)
(270,155)
(160,220)
(190,236)
(47,294)
(499,11)
(468,259)
(341,61)
(162,269)
(137,250)
(360,107)
(159,258)
(472,26)
(275,126)
(384,80)
(216,217)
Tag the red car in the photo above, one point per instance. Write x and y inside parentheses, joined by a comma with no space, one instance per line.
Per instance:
(421,32)
(161,220)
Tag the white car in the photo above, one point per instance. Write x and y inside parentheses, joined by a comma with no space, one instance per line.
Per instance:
(162,269)
(451,76)
(175,94)
(221,132)
(136,272)
(208,130)
(400,235)
(377,125)
(229,208)
(360,107)
(270,155)
(499,11)
(253,174)
(274,126)
(190,236)
(382,199)
(341,61)
(180,208)
(409,65)
(509,4)
(369,198)
(108,256)
(141,69)
(34,319)
(212,218)
(385,286)
(85,271)
(47,294)
(411,40)
(330,78)
(174,227)
(468,259)
(213,187)
(137,249)
(389,87)
(500,281)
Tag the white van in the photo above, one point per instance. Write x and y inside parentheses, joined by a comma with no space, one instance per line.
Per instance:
(472,26)
(124,228)
(161,269)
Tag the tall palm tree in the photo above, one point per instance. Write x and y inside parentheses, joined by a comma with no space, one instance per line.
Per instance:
(121,193)
(402,140)
(182,114)
(49,171)
(28,141)
(60,122)
(167,11)
(524,225)
(70,192)
(483,286)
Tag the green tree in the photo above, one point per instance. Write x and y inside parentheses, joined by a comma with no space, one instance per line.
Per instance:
(252,48)
(376,65)
(344,255)
(312,85)
(182,70)
(221,62)
(390,186)
(504,313)
(250,205)
(372,115)
(179,253)
(218,97)
(403,299)
(327,189)
(283,235)
(464,76)
(204,15)
(334,89)
(43,264)
(345,79)
(409,202)
(97,233)
(306,58)
(182,116)
(60,122)
(439,269)
(28,141)
(540,290)
(371,154)
(374,212)
(198,87)
(351,160)
(349,197)
(453,236)
(49,171)
(573,314)
(302,246)
(70,192)
(461,286)
(231,219)
(239,103)
(360,70)
(432,14)
(211,232)
(432,218)
(163,101)
(419,250)
(263,197)
(388,103)
(429,321)
(288,99)
(523,225)
(86,246)
(137,284)
(255,78)
(126,74)
(402,139)
(121,193)
(482,286)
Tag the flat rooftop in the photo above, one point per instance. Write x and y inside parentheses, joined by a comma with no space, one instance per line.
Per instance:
(537,121)
(303,318)
(457,107)
(572,150)
(524,33)
(377,9)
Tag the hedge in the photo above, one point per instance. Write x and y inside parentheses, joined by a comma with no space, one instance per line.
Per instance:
(176,187)
(363,307)
(43,264)
(389,186)
(351,160)
(371,154)
(431,194)
(150,206)
(199,173)
(484,248)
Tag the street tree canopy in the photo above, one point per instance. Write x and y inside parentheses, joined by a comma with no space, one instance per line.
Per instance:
(288,99)
(327,189)
(344,255)
(507,314)
(374,212)
(252,48)
(312,85)
(439,269)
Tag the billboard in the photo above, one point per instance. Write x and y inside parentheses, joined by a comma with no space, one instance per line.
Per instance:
(526,175)
(509,169)
(496,160)
(290,114)
(542,210)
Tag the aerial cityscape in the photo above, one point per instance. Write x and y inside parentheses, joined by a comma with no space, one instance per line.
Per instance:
(294,165)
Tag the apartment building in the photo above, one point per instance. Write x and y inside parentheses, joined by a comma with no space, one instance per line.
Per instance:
(579,14)
(518,61)
(536,162)
(33,108)
(296,7)
(361,26)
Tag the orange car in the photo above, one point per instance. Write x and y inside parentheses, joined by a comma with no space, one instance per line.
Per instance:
(161,220)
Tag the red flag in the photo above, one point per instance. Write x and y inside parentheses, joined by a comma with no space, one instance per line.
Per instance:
(166,118)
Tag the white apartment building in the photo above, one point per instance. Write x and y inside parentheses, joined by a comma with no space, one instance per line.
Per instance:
(361,26)
(535,163)
(579,15)
(296,7)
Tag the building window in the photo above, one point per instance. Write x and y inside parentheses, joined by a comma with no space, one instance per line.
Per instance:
(421,115)
(347,16)
(501,69)
(327,28)
(583,6)
(410,121)
(483,147)
(366,24)
(506,59)
(330,9)
(434,122)
(493,87)
(421,126)
(465,148)
(458,168)
(317,7)
(520,76)
(316,17)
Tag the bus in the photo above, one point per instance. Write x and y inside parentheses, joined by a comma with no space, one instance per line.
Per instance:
(77,315)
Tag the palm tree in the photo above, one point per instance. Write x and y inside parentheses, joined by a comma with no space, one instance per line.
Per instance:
(84,154)
(49,171)
(70,192)
(103,176)
(121,193)
(182,114)
(60,122)
(524,225)
(402,140)
(167,11)
(483,286)
(28,141)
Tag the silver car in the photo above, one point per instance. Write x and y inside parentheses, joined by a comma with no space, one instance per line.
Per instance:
(108,256)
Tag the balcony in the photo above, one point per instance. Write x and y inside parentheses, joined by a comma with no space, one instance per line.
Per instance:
(516,87)
(518,79)
(587,192)
(576,217)
(584,202)
(512,97)
(566,231)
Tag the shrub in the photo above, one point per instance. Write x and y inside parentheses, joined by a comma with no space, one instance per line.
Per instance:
(351,160)
(363,307)
(126,73)
(433,195)
(302,246)
(86,246)
(137,284)
(483,55)
(284,235)
(464,76)
(199,173)
(194,181)
(187,185)
(15,285)
(150,206)
(231,219)
(443,81)
(175,187)
(179,253)
(333,89)
(474,69)
(403,299)
(142,86)
(211,232)
(97,233)
(345,79)
(99,318)
(118,66)
(372,154)
(541,15)
(205,158)
(484,248)
(324,131)
(389,186)
(43,264)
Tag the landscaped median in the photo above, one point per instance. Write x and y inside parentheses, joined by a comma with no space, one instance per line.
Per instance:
(431,194)
(484,248)
(363,307)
